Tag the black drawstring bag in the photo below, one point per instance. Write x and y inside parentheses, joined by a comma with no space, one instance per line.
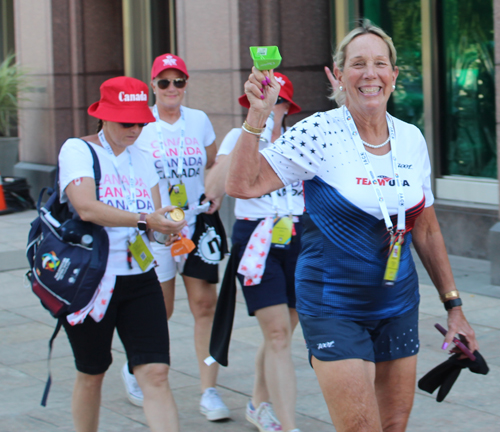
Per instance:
(445,374)
(211,246)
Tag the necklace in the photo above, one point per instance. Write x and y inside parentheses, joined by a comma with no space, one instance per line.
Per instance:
(376,146)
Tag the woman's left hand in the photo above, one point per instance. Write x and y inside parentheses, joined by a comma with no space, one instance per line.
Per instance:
(333,81)
(457,324)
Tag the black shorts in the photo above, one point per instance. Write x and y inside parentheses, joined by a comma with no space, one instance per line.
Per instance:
(278,281)
(330,339)
(137,311)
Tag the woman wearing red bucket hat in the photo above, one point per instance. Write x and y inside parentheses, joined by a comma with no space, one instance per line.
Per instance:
(182,144)
(129,298)
(266,266)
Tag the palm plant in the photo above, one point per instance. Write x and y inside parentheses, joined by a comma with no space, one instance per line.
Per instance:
(12,78)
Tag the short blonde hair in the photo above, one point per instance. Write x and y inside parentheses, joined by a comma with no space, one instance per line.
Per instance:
(366,27)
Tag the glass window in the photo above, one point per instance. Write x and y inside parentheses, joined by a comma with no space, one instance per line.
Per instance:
(401,19)
(6,28)
(467,83)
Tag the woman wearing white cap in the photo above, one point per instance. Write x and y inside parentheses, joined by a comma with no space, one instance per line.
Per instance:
(182,143)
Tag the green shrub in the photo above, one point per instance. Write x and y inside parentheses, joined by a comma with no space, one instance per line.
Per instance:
(12,78)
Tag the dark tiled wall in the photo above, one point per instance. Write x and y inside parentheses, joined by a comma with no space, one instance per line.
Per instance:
(304,40)
(87,50)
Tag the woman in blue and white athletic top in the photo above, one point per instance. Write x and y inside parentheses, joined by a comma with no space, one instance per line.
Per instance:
(367,193)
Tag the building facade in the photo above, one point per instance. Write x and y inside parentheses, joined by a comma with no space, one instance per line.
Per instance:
(447,57)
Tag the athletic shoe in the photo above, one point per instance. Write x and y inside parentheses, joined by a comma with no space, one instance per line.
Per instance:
(212,407)
(134,392)
(263,417)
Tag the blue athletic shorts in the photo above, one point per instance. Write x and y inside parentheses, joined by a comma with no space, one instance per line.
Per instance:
(330,339)
(278,281)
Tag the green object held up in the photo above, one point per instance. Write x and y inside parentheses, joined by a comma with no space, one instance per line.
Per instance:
(265,57)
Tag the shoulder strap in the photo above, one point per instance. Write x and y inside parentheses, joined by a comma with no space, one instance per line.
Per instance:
(49,379)
(97,169)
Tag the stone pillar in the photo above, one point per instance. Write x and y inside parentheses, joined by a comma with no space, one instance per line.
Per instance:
(68,47)
(208,41)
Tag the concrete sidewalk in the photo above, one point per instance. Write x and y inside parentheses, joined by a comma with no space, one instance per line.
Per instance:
(25,327)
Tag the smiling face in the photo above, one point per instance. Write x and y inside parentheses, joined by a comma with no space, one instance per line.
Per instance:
(171,97)
(368,75)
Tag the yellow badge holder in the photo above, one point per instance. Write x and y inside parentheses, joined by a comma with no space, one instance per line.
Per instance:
(392,267)
(140,252)
(178,196)
(282,232)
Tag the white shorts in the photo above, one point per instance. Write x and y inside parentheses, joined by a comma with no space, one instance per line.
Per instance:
(167,266)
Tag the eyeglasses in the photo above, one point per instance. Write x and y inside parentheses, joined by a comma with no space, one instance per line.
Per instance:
(131,125)
(178,83)
(280,100)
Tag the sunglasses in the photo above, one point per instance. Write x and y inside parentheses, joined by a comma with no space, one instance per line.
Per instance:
(131,125)
(280,100)
(178,83)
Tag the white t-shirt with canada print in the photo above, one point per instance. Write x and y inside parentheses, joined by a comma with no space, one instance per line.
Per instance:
(259,208)
(75,161)
(199,134)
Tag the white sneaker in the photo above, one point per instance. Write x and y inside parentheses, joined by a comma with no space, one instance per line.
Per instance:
(134,392)
(212,407)
(263,417)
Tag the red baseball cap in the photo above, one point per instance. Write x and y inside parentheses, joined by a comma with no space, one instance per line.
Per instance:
(123,100)
(168,61)
(286,92)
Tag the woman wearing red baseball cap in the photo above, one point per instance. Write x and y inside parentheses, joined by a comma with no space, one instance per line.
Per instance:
(266,242)
(129,298)
(182,144)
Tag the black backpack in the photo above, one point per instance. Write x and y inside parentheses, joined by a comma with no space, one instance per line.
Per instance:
(67,256)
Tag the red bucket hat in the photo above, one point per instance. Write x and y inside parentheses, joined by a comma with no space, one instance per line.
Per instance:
(123,100)
(286,92)
(168,61)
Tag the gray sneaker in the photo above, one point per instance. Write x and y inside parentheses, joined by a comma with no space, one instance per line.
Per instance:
(212,407)
(134,392)
(263,417)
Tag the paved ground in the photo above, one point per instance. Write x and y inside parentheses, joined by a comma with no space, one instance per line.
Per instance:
(25,327)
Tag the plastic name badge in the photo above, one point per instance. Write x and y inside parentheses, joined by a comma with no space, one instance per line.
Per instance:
(141,253)
(282,232)
(391,270)
(178,196)
(265,57)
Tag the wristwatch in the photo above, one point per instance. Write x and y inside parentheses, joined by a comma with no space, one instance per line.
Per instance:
(141,223)
(450,304)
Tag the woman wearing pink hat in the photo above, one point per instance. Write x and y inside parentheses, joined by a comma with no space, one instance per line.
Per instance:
(182,143)
(129,297)
(268,231)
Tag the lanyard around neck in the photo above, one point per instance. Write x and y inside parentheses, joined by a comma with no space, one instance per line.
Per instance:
(401,225)
(161,141)
(130,191)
